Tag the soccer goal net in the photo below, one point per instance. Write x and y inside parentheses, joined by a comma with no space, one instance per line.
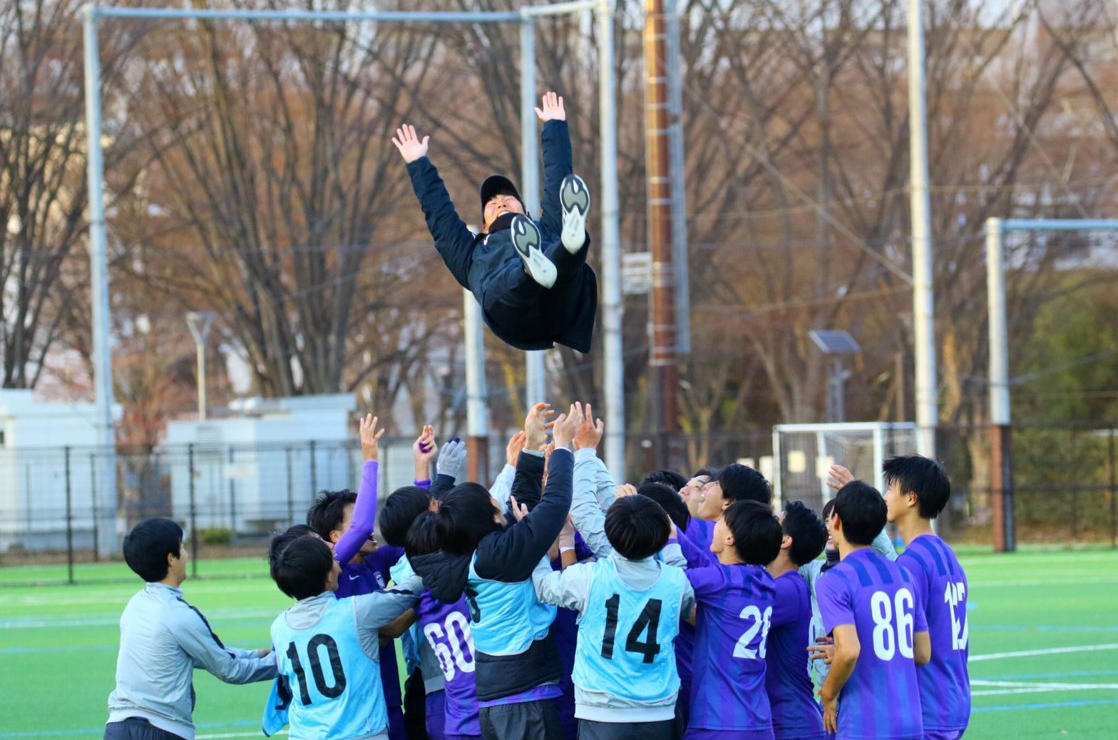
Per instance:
(804,452)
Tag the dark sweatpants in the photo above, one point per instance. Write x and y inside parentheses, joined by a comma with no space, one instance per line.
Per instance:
(135,728)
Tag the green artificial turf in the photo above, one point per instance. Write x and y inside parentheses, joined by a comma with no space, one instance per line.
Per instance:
(58,645)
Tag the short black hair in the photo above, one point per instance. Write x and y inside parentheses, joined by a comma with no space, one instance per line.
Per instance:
(282,539)
(400,510)
(423,535)
(743,483)
(924,477)
(147,546)
(328,511)
(301,565)
(862,511)
(669,478)
(703,472)
(669,500)
(807,530)
(827,509)
(465,516)
(637,527)
(757,533)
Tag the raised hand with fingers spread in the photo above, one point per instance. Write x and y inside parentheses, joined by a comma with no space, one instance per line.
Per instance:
(563,428)
(838,476)
(410,146)
(551,107)
(370,437)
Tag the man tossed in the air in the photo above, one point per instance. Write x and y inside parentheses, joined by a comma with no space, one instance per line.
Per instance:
(531,278)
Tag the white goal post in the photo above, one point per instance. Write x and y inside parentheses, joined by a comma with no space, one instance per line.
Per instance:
(802,453)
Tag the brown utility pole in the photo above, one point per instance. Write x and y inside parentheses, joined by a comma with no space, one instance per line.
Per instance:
(663,358)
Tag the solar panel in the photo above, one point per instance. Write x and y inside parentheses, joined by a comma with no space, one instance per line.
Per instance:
(834,342)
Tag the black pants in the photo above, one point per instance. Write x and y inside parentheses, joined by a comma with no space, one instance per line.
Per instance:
(135,728)
(530,720)
(590,730)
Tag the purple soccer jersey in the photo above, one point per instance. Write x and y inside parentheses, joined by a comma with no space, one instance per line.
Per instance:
(941,587)
(447,629)
(735,604)
(795,712)
(881,700)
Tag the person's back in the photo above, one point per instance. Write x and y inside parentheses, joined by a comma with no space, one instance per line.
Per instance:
(871,610)
(162,640)
(630,605)
(918,490)
(446,628)
(795,714)
(735,597)
(941,584)
(327,649)
(881,699)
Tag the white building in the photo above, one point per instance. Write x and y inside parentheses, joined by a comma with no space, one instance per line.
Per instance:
(48,455)
(257,470)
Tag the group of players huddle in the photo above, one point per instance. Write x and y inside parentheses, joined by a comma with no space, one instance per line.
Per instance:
(556,604)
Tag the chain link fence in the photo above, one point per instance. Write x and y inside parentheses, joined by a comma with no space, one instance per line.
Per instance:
(57,509)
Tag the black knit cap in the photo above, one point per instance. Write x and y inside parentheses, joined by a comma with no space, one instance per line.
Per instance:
(498,185)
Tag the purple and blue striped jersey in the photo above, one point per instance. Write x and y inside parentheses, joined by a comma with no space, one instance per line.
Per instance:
(734,611)
(881,700)
(941,587)
(447,629)
(795,713)
(366,578)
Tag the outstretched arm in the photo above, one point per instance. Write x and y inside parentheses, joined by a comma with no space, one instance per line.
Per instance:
(556,145)
(453,240)
(365,510)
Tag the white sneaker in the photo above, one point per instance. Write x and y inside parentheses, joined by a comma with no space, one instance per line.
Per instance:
(526,241)
(574,197)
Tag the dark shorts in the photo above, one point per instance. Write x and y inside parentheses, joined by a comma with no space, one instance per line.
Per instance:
(530,720)
(943,734)
(135,728)
(728,735)
(591,730)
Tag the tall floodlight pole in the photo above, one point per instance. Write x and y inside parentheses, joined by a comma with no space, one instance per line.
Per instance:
(923,307)
(535,387)
(477,410)
(200,324)
(98,254)
(613,378)
(1001,445)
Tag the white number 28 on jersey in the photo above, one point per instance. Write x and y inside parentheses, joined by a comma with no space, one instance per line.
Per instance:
(760,623)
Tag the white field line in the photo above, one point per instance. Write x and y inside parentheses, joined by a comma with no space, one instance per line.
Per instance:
(1044,651)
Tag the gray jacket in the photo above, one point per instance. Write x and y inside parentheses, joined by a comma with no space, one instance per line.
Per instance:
(162,640)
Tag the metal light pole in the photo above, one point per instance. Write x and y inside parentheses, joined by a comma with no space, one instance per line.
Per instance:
(923,308)
(613,377)
(200,324)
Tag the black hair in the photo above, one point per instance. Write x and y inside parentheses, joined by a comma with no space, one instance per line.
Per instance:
(300,565)
(862,511)
(637,527)
(808,533)
(669,500)
(328,511)
(669,478)
(465,516)
(282,539)
(743,483)
(757,533)
(423,535)
(147,546)
(400,510)
(703,472)
(922,476)
(827,509)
